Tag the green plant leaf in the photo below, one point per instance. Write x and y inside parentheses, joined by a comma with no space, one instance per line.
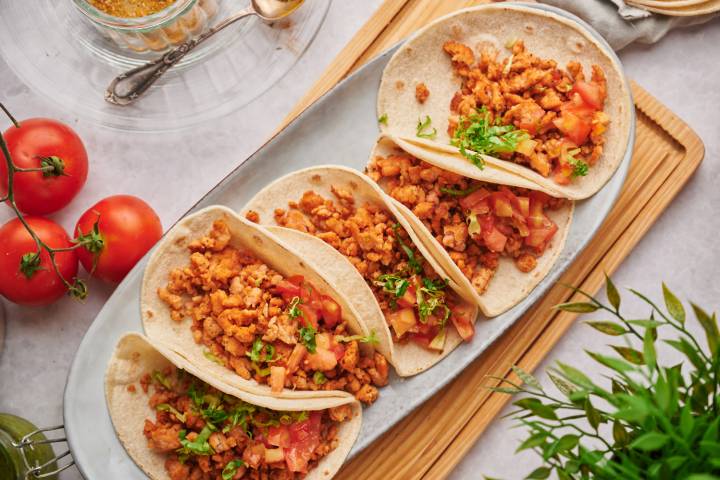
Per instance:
(577,307)
(650,441)
(649,348)
(645,323)
(562,475)
(634,408)
(709,324)
(613,295)
(673,305)
(687,422)
(562,444)
(675,462)
(616,364)
(593,416)
(608,328)
(539,473)
(702,476)
(537,407)
(629,354)
(565,387)
(685,347)
(527,378)
(575,376)
(508,390)
(620,435)
(532,441)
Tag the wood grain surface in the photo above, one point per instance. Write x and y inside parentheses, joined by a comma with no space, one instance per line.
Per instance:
(434,438)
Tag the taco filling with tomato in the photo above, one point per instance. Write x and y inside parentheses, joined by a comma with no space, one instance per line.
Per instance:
(415,300)
(476,222)
(205,433)
(527,110)
(279,331)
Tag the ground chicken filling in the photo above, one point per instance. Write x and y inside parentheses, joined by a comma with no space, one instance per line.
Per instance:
(525,109)
(416,302)
(209,435)
(278,331)
(476,222)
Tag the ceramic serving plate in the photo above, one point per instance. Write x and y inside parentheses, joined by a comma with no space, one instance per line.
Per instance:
(339,128)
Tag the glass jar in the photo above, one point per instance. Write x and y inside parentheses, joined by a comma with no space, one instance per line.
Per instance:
(181,21)
(12,465)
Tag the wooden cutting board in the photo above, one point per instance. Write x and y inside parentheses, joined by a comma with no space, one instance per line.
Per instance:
(434,438)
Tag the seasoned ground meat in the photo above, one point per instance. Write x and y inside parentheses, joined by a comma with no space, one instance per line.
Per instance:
(463,214)
(561,110)
(275,330)
(208,435)
(421,92)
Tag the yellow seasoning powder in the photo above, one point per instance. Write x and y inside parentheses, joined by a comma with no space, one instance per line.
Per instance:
(130,8)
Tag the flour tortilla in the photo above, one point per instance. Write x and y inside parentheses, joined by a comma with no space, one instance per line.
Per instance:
(408,358)
(172,253)
(547,35)
(509,285)
(136,355)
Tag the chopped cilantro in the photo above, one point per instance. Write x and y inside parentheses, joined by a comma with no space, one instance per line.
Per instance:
(231,469)
(162,380)
(383,119)
(293,309)
(431,297)
(166,407)
(476,135)
(307,337)
(256,352)
(423,126)
(412,260)
(371,338)
(580,168)
(199,446)
(393,283)
(210,356)
(319,378)
(461,193)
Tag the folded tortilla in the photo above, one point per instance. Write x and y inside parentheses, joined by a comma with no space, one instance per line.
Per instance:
(545,34)
(408,358)
(172,252)
(509,285)
(136,355)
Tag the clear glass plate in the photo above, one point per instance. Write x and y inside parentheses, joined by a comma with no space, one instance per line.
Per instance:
(56,52)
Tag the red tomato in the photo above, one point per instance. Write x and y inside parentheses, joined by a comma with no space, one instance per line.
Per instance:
(492,237)
(279,436)
(288,290)
(43,286)
(338,349)
(590,93)
(128,228)
(296,280)
(304,439)
(409,298)
(464,324)
(574,126)
(30,146)
(474,198)
(309,316)
(539,237)
(331,311)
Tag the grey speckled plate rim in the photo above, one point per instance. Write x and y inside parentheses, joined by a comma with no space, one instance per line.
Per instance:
(90,434)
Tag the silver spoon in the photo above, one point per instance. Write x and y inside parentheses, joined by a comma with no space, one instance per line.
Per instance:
(129,86)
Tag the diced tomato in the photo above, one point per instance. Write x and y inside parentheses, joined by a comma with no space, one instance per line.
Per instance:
(481,208)
(309,316)
(402,320)
(539,237)
(287,289)
(252,456)
(338,349)
(304,439)
(575,127)
(590,93)
(494,240)
(296,280)
(331,311)
(279,436)
(472,199)
(308,294)
(409,298)
(464,324)
(563,174)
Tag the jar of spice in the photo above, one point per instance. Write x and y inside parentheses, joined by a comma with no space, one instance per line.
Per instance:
(12,464)
(149,25)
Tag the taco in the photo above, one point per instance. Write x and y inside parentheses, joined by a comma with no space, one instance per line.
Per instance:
(497,241)
(175,422)
(511,89)
(238,303)
(343,224)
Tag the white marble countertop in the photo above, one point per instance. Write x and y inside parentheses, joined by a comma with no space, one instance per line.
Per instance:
(681,71)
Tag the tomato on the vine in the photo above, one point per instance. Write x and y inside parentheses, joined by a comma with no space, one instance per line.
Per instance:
(42,143)
(26,278)
(115,233)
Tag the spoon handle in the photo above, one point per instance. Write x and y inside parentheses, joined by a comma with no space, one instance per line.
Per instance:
(129,86)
